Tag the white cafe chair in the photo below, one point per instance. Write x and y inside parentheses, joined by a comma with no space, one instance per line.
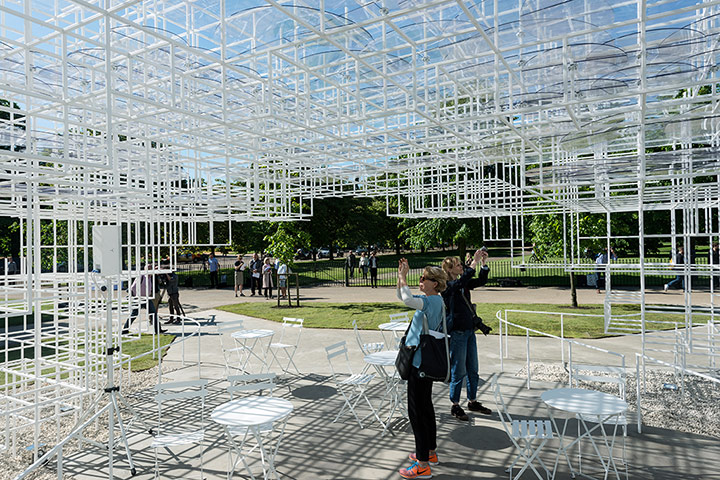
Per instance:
(366,348)
(233,353)
(258,383)
(351,386)
(288,343)
(528,436)
(181,418)
(400,317)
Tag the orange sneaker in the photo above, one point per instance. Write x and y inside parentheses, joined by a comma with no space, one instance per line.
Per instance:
(416,471)
(433,460)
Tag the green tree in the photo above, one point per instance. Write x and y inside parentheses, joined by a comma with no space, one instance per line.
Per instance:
(283,241)
(428,233)
(250,236)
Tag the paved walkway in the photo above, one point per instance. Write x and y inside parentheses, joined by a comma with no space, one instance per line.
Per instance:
(316,448)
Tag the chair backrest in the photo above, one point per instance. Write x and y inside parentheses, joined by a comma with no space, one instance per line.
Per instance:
(366,348)
(334,353)
(600,374)
(256,382)
(505,417)
(400,317)
(187,399)
(225,329)
(291,330)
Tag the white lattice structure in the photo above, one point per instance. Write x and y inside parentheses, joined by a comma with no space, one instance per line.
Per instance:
(158,115)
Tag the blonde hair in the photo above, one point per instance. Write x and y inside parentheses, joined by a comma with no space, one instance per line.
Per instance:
(449,263)
(436,274)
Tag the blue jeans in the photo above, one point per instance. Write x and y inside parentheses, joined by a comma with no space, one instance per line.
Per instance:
(463,363)
(678,282)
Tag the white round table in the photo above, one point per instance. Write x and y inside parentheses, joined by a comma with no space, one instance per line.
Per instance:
(397,329)
(587,406)
(257,414)
(584,402)
(251,411)
(252,334)
(394,326)
(384,358)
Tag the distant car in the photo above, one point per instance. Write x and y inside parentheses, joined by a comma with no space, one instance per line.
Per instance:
(303,254)
(200,257)
(360,250)
(184,257)
(324,252)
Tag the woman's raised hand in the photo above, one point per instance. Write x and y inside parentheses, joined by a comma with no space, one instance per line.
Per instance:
(478,255)
(403,267)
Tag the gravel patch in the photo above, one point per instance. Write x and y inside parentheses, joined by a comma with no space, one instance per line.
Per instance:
(696,410)
(12,465)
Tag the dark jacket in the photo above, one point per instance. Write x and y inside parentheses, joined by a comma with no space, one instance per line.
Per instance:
(256,265)
(171,285)
(458,311)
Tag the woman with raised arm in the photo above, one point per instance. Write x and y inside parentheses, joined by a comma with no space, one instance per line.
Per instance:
(419,392)
(463,343)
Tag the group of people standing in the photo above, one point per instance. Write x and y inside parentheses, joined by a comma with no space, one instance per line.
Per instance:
(445,289)
(261,276)
(366,264)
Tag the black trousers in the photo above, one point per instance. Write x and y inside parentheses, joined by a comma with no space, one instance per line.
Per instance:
(422,415)
(373,277)
(214,279)
(151,311)
(256,283)
(174,305)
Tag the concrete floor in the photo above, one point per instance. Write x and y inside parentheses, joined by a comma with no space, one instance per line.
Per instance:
(316,448)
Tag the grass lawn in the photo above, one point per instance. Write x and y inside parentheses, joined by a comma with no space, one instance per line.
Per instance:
(370,315)
(141,345)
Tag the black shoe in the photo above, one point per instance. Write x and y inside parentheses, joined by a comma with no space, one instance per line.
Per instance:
(242,294)
(162,330)
(125,331)
(476,406)
(169,322)
(457,412)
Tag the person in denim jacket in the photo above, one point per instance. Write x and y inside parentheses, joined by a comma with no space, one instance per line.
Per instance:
(463,343)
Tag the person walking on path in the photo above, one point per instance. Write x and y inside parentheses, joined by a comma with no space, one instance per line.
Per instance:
(142,288)
(239,274)
(256,266)
(373,264)
(460,320)
(173,291)
(679,281)
(600,262)
(364,266)
(421,411)
(267,278)
(350,264)
(715,259)
(214,267)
